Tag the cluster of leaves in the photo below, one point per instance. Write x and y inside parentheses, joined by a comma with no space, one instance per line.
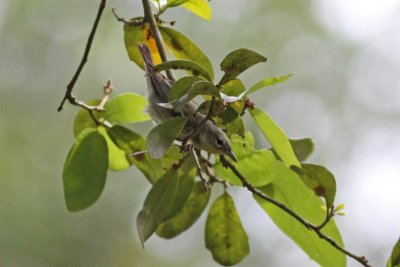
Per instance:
(176,200)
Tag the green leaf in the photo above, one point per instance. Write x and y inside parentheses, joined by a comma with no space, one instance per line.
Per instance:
(117,158)
(302,148)
(161,137)
(188,215)
(131,143)
(232,122)
(166,198)
(184,48)
(174,3)
(234,87)
(320,180)
(85,170)
(225,236)
(199,7)
(289,190)
(259,166)
(238,61)
(276,137)
(83,119)
(126,108)
(182,86)
(134,35)
(394,260)
(190,66)
(267,82)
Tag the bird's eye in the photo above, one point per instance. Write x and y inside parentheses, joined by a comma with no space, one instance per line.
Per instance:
(220,142)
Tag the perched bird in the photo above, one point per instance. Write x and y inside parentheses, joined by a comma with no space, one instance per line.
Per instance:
(204,135)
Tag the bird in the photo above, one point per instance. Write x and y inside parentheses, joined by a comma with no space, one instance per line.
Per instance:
(203,132)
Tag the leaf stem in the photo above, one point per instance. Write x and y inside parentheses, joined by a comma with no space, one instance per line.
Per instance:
(361,259)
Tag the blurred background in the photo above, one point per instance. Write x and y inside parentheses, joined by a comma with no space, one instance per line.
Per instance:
(345,95)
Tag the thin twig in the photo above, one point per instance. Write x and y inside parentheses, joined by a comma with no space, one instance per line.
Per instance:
(149,17)
(199,170)
(108,88)
(68,93)
(308,225)
(132,22)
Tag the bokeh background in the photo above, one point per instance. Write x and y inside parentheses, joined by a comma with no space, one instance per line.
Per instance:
(345,95)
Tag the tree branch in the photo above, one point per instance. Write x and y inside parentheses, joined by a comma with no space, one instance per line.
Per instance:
(68,94)
(308,225)
(149,17)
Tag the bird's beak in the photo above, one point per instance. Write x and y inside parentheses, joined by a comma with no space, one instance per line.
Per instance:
(232,155)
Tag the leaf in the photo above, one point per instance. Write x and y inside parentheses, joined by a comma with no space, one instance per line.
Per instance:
(198,88)
(234,87)
(85,170)
(232,122)
(182,86)
(320,180)
(267,82)
(238,61)
(134,35)
(162,136)
(199,7)
(131,143)
(276,137)
(184,48)
(126,108)
(165,199)
(188,215)
(225,236)
(289,190)
(190,66)
(394,260)
(259,166)
(117,158)
(174,3)
(83,119)
(302,148)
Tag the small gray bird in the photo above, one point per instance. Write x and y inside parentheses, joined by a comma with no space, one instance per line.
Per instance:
(207,136)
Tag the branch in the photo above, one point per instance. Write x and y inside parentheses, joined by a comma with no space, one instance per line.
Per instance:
(108,88)
(308,225)
(149,17)
(68,94)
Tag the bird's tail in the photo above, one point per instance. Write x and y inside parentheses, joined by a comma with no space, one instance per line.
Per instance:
(147,58)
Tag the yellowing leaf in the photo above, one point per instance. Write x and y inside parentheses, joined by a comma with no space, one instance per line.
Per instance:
(199,7)
(225,236)
(289,190)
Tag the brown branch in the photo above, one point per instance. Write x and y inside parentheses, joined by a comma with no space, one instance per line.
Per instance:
(108,88)
(308,225)
(68,94)
(149,17)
